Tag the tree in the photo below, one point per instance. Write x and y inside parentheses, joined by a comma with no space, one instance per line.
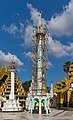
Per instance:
(26,85)
(66,66)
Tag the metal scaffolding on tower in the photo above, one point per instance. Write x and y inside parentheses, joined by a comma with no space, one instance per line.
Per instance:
(38,97)
(39,56)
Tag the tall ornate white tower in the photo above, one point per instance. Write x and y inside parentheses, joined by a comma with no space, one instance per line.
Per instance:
(38,97)
(39,58)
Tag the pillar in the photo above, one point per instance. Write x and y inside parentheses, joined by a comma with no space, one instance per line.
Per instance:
(40,106)
(47,106)
(61,100)
(0,103)
(11,96)
(68,98)
(51,91)
(12,85)
(58,100)
(31,105)
(39,67)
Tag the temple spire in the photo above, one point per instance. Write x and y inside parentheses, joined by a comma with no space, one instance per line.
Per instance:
(40,19)
(4,65)
(13,63)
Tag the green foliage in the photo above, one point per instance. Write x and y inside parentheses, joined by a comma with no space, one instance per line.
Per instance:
(66,66)
(26,85)
(48,89)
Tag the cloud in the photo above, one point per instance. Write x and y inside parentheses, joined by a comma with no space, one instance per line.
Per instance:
(28,55)
(16,30)
(50,65)
(69,49)
(57,25)
(20,32)
(12,29)
(57,49)
(21,28)
(17,14)
(7,58)
(28,36)
(62,24)
(35,15)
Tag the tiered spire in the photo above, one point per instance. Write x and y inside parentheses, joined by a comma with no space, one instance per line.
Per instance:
(40,19)
(13,63)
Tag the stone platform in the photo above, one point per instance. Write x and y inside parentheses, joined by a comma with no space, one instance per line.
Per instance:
(54,115)
(12,105)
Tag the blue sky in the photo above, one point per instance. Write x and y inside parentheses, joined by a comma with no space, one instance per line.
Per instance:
(17,18)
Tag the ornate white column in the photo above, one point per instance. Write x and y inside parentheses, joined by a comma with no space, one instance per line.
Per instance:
(39,106)
(39,68)
(12,84)
(51,90)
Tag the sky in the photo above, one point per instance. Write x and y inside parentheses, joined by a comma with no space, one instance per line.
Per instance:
(17,18)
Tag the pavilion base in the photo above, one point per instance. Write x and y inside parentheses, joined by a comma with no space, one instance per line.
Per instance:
(39,105)
(12,105)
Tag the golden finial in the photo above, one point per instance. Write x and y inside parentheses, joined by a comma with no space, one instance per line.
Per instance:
(13,63)
(40,19)
(4,65)
(13,58)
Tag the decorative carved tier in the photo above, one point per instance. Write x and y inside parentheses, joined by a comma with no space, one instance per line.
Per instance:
(5,85)
(64,89)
